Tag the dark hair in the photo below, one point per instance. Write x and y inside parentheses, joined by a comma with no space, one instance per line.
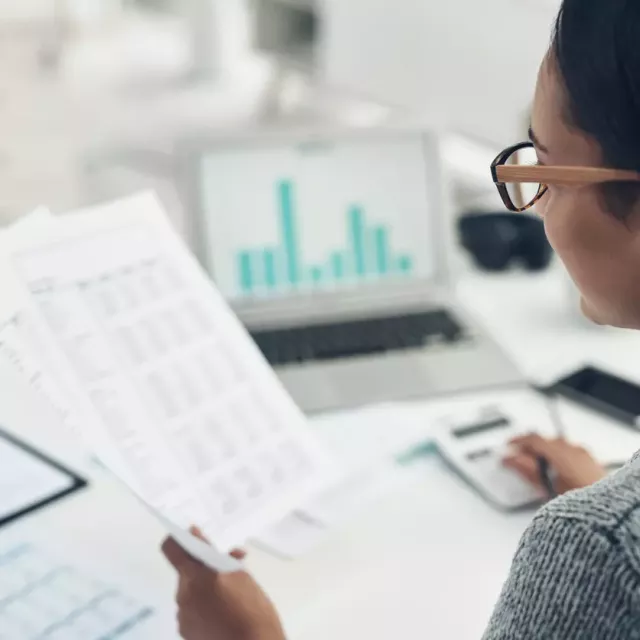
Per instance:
(596,44)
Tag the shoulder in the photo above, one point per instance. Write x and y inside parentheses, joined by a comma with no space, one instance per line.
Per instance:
(608,503)
(576,574)
(603,519)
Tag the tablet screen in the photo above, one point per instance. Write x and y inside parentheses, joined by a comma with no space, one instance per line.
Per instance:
(29,480)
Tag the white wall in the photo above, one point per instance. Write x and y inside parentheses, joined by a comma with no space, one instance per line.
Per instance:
(467,65)
(77,11)
(18,10)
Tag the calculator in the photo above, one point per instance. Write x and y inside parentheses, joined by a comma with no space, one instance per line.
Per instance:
(474,446)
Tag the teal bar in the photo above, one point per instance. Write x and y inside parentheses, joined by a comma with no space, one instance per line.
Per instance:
(289,231)
(338,266)
(405,264)
(316,275)
(270,276)
(356,227)
(381,243)
(245,271)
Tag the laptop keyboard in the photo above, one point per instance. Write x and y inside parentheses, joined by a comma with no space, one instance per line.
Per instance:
(358,338)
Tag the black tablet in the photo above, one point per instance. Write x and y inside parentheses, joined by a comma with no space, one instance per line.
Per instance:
(30,480)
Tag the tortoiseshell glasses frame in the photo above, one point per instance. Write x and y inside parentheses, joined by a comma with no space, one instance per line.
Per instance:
(504,174)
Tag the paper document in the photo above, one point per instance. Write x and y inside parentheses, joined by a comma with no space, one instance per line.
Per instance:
(26,349)
(186,410)
(25,342)
(44,598)
(205,552)
(33,223)
(293,537)
(309,525)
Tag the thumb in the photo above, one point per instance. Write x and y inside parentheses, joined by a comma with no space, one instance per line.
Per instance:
(179,559)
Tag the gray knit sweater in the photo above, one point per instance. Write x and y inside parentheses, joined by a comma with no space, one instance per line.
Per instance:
(576,574)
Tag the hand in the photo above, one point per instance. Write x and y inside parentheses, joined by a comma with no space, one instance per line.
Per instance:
(220,606)
(574,467)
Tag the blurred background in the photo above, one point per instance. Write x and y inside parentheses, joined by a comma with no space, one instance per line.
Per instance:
(96,94)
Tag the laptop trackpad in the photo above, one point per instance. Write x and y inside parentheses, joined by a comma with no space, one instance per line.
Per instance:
(356,382)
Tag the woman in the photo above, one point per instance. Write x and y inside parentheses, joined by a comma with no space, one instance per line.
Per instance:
(576,574)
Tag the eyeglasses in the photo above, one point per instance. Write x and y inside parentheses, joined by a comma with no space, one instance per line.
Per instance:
(522,181)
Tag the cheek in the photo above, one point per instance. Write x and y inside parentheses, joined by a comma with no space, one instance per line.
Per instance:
(574,238)
(597,252)
(561,222)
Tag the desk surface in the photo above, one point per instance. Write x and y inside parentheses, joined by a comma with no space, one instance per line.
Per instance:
(428,558)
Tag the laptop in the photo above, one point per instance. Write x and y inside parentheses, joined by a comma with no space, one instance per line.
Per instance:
(333,249)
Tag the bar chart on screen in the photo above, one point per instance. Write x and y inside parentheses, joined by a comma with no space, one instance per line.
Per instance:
(366,254)
(288,220)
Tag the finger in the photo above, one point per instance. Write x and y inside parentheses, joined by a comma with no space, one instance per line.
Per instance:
(197,532)
(525,466)
(581,450)
(238,554)
(179,559)
(525,439)
(534,445)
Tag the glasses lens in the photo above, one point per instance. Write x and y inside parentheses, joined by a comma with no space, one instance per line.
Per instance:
(523,194)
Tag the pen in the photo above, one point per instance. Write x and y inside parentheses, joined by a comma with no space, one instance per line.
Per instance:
(545,477)
(554,411)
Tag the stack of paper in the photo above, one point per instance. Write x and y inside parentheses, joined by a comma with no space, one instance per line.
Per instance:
(114,323)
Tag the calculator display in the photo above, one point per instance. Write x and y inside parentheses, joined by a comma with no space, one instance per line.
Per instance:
(480,427)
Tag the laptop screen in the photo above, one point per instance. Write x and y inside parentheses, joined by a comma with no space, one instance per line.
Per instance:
(287,218)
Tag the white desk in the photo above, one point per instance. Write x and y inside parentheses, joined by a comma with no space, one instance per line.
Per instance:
(425,561)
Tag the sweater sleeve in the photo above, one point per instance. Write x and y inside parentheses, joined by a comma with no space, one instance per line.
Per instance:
(569,581)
